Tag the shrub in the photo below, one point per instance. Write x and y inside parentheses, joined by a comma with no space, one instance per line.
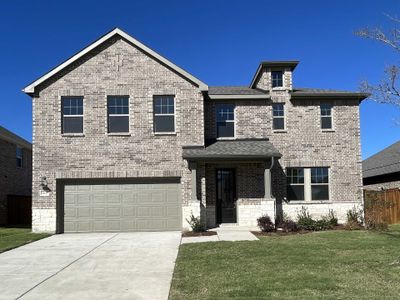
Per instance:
(354,219)
(265,224)
(289,226)
(196,224)
(304,220)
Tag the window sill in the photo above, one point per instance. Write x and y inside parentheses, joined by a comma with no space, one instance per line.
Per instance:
(119,134)
(279,131)
(72,134)
(164,133)
(327,130)
(226,138)
(310,202)
(279,88)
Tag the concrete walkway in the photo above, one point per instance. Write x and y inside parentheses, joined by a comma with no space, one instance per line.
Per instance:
(231,233)
(91,266)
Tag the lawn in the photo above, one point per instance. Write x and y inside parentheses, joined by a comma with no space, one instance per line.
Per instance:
(320,265)
(11,237)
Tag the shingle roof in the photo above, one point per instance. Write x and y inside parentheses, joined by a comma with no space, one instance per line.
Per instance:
(234,90)
(233,149)
(307,92)
(384,162)
(7,135)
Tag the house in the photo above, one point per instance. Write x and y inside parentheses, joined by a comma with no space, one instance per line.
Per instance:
(125,140)
(382,170)
(15,178)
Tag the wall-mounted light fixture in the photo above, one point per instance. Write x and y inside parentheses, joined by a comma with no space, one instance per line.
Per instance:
(44,184)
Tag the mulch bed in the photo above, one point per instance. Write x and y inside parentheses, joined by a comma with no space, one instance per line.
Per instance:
(194,234)
(283,233)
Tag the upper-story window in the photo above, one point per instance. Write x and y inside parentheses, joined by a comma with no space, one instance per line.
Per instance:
(278,116)
(72,114)
(19,156)
(164,114)
(225,120)
(277,78)
(326,115)
(118,114)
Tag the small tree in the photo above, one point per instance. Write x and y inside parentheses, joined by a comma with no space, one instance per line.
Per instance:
(388,90)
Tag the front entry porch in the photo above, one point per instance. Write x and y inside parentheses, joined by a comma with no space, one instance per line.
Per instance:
(230,187)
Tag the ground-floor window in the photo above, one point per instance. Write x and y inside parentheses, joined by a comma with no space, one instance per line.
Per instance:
(307,184)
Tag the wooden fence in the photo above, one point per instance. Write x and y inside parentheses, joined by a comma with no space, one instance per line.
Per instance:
(388,202)
(19,210)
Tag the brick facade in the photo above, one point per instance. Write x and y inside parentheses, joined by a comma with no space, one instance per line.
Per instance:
(120,68)
(13,180)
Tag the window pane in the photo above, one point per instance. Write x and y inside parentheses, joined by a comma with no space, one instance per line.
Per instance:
(278,123)
(164,105)
(164,124)
(295,192)
(73,125)
(118,124)
(278,110)
(225,112)
(319,175)
(277,78)
(72,105)
(319,192)
(19,154)
(326,122)
(326,109)
(295,175)
(225,129)
(118,105)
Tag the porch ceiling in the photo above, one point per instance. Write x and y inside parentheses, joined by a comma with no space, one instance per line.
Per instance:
(241,149)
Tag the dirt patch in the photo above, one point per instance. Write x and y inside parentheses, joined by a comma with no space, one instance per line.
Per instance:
(193,234)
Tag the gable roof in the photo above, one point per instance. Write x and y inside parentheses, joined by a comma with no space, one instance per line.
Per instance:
(30,89)
(10,137)
(384,162)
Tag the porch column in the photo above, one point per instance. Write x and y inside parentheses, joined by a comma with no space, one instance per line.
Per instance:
(193,168)
(267,180)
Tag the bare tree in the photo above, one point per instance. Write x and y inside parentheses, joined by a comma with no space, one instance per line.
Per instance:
(387,91)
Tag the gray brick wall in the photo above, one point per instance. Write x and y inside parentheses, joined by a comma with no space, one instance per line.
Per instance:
(117,68)
(384,185)
(13,180)
(303,143)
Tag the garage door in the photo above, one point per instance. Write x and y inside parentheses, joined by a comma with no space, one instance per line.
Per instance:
(122,207)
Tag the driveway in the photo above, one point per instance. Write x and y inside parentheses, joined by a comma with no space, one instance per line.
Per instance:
(91,266)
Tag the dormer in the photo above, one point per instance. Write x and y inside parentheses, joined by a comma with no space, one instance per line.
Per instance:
(274,75)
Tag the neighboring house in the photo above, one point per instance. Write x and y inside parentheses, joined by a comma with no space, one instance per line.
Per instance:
(382,170)
(15,170)
(125,140)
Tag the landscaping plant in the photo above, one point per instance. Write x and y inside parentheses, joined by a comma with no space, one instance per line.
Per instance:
(196,224)
(354,219)
(265,224)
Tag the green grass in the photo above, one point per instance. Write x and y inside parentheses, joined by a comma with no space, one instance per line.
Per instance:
(320,265)
(12,237)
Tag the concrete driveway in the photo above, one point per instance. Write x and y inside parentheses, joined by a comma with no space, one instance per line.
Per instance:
(91,266)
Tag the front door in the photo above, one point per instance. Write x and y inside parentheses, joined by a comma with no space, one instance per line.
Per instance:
(226,196)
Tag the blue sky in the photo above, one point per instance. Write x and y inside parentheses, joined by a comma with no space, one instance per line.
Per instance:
(220,42)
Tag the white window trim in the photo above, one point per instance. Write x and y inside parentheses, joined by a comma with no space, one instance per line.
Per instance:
(61,124)
(166,114)
(20,157)
(282,117)
(234,123)
(307,186)
(121,133)
(330,116)
(278,88)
